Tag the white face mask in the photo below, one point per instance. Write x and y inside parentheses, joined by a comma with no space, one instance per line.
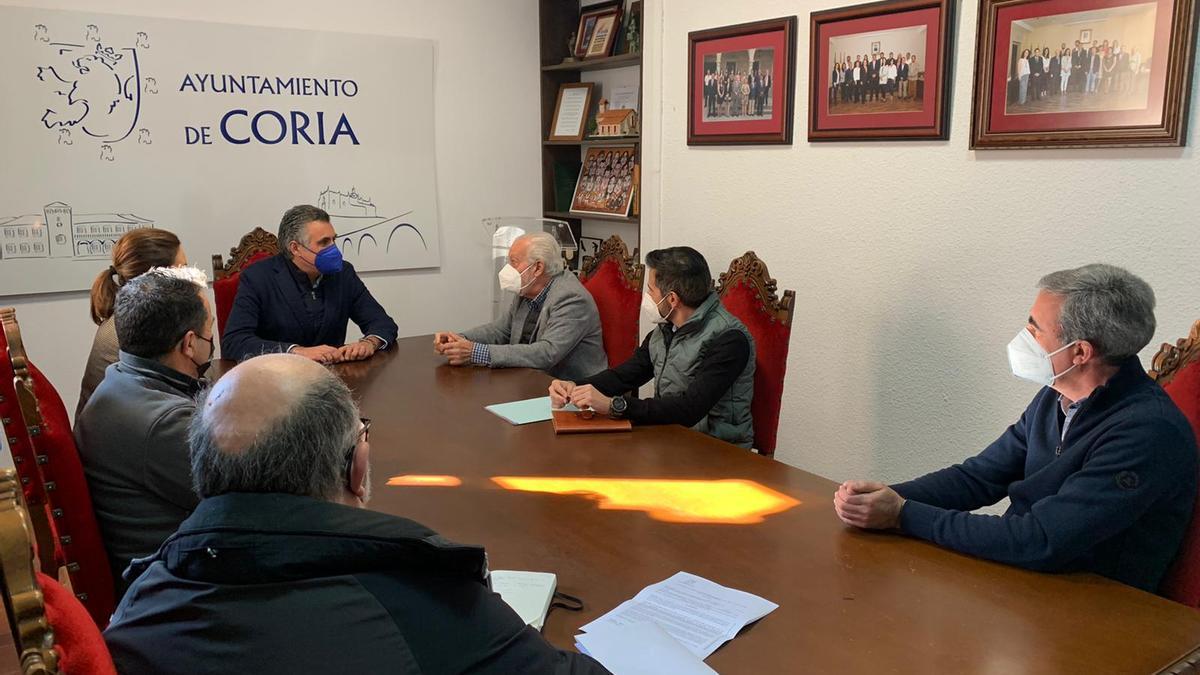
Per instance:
(511,280)
(650,309)
(1029,361)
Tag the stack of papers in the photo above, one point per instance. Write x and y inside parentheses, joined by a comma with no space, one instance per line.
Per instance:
(698,614)
(642,648)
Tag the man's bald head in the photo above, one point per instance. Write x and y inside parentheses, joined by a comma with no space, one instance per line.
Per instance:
(255,395)
(275,423)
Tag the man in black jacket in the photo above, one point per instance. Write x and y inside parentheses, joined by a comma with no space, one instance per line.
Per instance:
(277,571)
(132,434)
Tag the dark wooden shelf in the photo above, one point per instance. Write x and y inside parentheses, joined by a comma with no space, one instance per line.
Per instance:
(580,216)
(618,140)
(606,63)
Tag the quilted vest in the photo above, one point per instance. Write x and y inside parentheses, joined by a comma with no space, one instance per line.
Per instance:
(675,366)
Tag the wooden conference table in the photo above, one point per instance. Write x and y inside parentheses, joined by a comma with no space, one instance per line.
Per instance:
(849,601)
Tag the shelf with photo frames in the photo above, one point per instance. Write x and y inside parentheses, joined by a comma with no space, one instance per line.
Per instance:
(561,159)
(606,63)
(565,215)
(608,140)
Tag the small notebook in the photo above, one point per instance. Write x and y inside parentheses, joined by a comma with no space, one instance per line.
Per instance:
(528,593)
(571,422)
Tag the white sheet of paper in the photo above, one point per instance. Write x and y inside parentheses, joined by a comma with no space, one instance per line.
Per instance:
(571,112)
(624,97)
(641,648)
(528,593)
(700,614)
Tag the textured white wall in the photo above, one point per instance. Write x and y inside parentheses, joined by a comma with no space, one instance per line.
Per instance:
(907,293)
(488,153)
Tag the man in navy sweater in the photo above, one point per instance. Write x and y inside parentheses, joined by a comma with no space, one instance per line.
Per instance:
(1101,468)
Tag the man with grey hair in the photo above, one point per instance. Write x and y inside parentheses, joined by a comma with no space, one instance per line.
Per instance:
(132,433)
(281,569)
(300,300)
(552,325)
(1100,470)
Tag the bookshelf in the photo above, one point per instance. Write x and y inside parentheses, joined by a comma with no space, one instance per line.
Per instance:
(558,19)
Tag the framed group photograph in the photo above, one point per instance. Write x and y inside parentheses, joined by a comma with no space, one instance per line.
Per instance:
(881,71)
(597,32)
(741,83)
(571,111)
(606,182)
(1082,73)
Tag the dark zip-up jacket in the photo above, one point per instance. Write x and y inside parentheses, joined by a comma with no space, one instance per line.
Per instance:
(273,583)
(1114,496)
(132,439)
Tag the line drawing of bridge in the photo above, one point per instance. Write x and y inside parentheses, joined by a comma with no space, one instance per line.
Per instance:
(360,213)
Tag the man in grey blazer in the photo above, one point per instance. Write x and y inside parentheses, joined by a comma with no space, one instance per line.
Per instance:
(552,325)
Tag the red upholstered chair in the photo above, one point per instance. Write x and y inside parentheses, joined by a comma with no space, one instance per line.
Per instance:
(1177,369)
(72,542)
(256,245)
(748,292)
(52,631)
(614,278)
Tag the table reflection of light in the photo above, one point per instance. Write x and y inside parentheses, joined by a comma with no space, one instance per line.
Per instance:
(735,501)
(430,481)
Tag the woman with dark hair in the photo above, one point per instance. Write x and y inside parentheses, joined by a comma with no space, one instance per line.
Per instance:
(1023,76)
(137,251)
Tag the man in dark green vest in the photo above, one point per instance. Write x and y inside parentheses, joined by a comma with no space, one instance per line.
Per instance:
(700,357)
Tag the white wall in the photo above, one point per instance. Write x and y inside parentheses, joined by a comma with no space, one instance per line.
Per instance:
(900,41)
(906,298)
(487,139)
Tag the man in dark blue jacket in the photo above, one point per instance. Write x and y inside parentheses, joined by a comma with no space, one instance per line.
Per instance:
(281,569)
(1100,470)
(300,300)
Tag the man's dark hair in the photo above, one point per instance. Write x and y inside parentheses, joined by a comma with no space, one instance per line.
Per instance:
(683,270)
(154,311)
(291,226)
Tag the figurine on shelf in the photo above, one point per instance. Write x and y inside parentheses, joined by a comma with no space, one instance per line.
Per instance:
(615,123)
(570,49)
(633,35)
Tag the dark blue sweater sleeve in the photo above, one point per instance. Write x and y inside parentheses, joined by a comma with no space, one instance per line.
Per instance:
(240,339)
(1095,503)
(368,314)
(980,481)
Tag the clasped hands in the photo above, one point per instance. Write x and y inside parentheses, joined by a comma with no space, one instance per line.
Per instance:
(583,396)
(868,504)
(327,354)
(456,348)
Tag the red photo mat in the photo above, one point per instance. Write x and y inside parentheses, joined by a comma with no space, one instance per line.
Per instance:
(929,17)
(998,121)
(773,40)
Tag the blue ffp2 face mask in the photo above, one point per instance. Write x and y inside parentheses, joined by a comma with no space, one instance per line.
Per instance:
(329,260)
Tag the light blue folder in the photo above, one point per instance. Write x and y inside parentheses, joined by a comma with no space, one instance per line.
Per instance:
(525,412)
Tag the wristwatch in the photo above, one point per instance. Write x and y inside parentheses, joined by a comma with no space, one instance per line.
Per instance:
(617,408)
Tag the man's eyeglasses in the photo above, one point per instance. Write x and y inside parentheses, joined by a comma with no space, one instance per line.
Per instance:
(365,434)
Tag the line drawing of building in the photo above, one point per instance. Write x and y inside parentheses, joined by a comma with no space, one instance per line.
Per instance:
(346,204)
(60,233)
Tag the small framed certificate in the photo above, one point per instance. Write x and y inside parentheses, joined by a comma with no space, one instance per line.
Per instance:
(604,35)
(570,111)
